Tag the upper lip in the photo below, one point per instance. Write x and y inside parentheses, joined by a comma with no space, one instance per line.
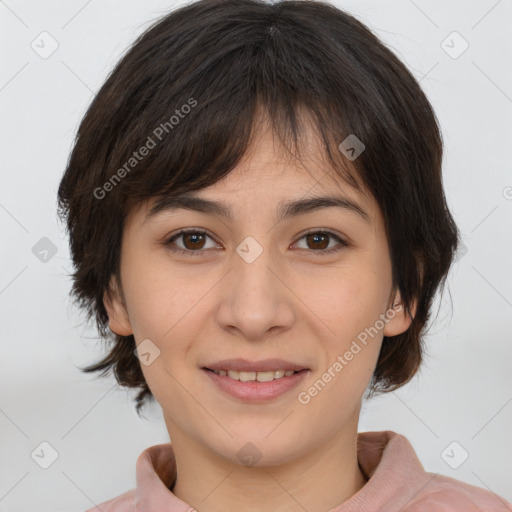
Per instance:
(245,365)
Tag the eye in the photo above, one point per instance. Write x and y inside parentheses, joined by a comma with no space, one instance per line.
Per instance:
(319,240)
(194,241)
(193,238)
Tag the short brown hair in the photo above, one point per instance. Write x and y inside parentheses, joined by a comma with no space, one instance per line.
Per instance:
(194,81)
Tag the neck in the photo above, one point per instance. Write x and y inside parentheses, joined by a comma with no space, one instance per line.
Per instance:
(319,480)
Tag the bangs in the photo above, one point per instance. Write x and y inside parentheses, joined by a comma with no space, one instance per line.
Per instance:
(197,118)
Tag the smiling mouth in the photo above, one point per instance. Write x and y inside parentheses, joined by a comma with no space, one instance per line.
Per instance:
(255,376)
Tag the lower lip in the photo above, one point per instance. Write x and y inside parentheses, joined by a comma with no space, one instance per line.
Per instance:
(256,391)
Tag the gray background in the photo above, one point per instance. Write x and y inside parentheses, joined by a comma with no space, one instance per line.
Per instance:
(463,392)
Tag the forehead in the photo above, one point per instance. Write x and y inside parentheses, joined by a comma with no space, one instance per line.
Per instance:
(270,176)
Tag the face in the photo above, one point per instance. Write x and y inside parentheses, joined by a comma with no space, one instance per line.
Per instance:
(305,288)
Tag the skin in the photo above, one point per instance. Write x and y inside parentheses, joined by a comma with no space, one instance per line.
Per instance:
(294,304)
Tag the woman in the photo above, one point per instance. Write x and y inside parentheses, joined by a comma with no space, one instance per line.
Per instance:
(259,227)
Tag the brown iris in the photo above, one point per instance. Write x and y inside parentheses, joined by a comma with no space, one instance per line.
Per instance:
(315,237)
(195,239)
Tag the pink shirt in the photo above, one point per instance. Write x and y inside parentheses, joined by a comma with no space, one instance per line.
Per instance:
(397,482)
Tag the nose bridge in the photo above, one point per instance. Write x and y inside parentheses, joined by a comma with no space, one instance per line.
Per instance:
(251,268)
(254,298)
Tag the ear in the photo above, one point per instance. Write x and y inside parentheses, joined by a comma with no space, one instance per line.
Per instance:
(398,319)
(115,305)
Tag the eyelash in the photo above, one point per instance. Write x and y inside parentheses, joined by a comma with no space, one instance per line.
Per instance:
(170,242)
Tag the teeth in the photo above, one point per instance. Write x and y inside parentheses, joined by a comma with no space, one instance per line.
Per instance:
(253,376)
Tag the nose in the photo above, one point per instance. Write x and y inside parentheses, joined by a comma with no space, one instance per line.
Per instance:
(256,299)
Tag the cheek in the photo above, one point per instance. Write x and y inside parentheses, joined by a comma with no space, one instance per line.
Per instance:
(351,309)
(158,295)
(351,303)
(164,305)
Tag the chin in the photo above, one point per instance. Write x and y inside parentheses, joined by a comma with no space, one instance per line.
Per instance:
(258,449)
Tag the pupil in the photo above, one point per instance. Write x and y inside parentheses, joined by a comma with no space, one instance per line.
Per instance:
(316,237)
(195,238)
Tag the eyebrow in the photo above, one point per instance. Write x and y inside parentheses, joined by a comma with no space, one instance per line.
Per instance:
(285,210)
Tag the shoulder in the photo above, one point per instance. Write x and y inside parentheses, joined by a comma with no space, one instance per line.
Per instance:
(445,494)
(122,503)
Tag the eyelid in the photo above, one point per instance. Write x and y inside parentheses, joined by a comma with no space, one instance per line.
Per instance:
(342,240)
(169,240)
(324,230)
